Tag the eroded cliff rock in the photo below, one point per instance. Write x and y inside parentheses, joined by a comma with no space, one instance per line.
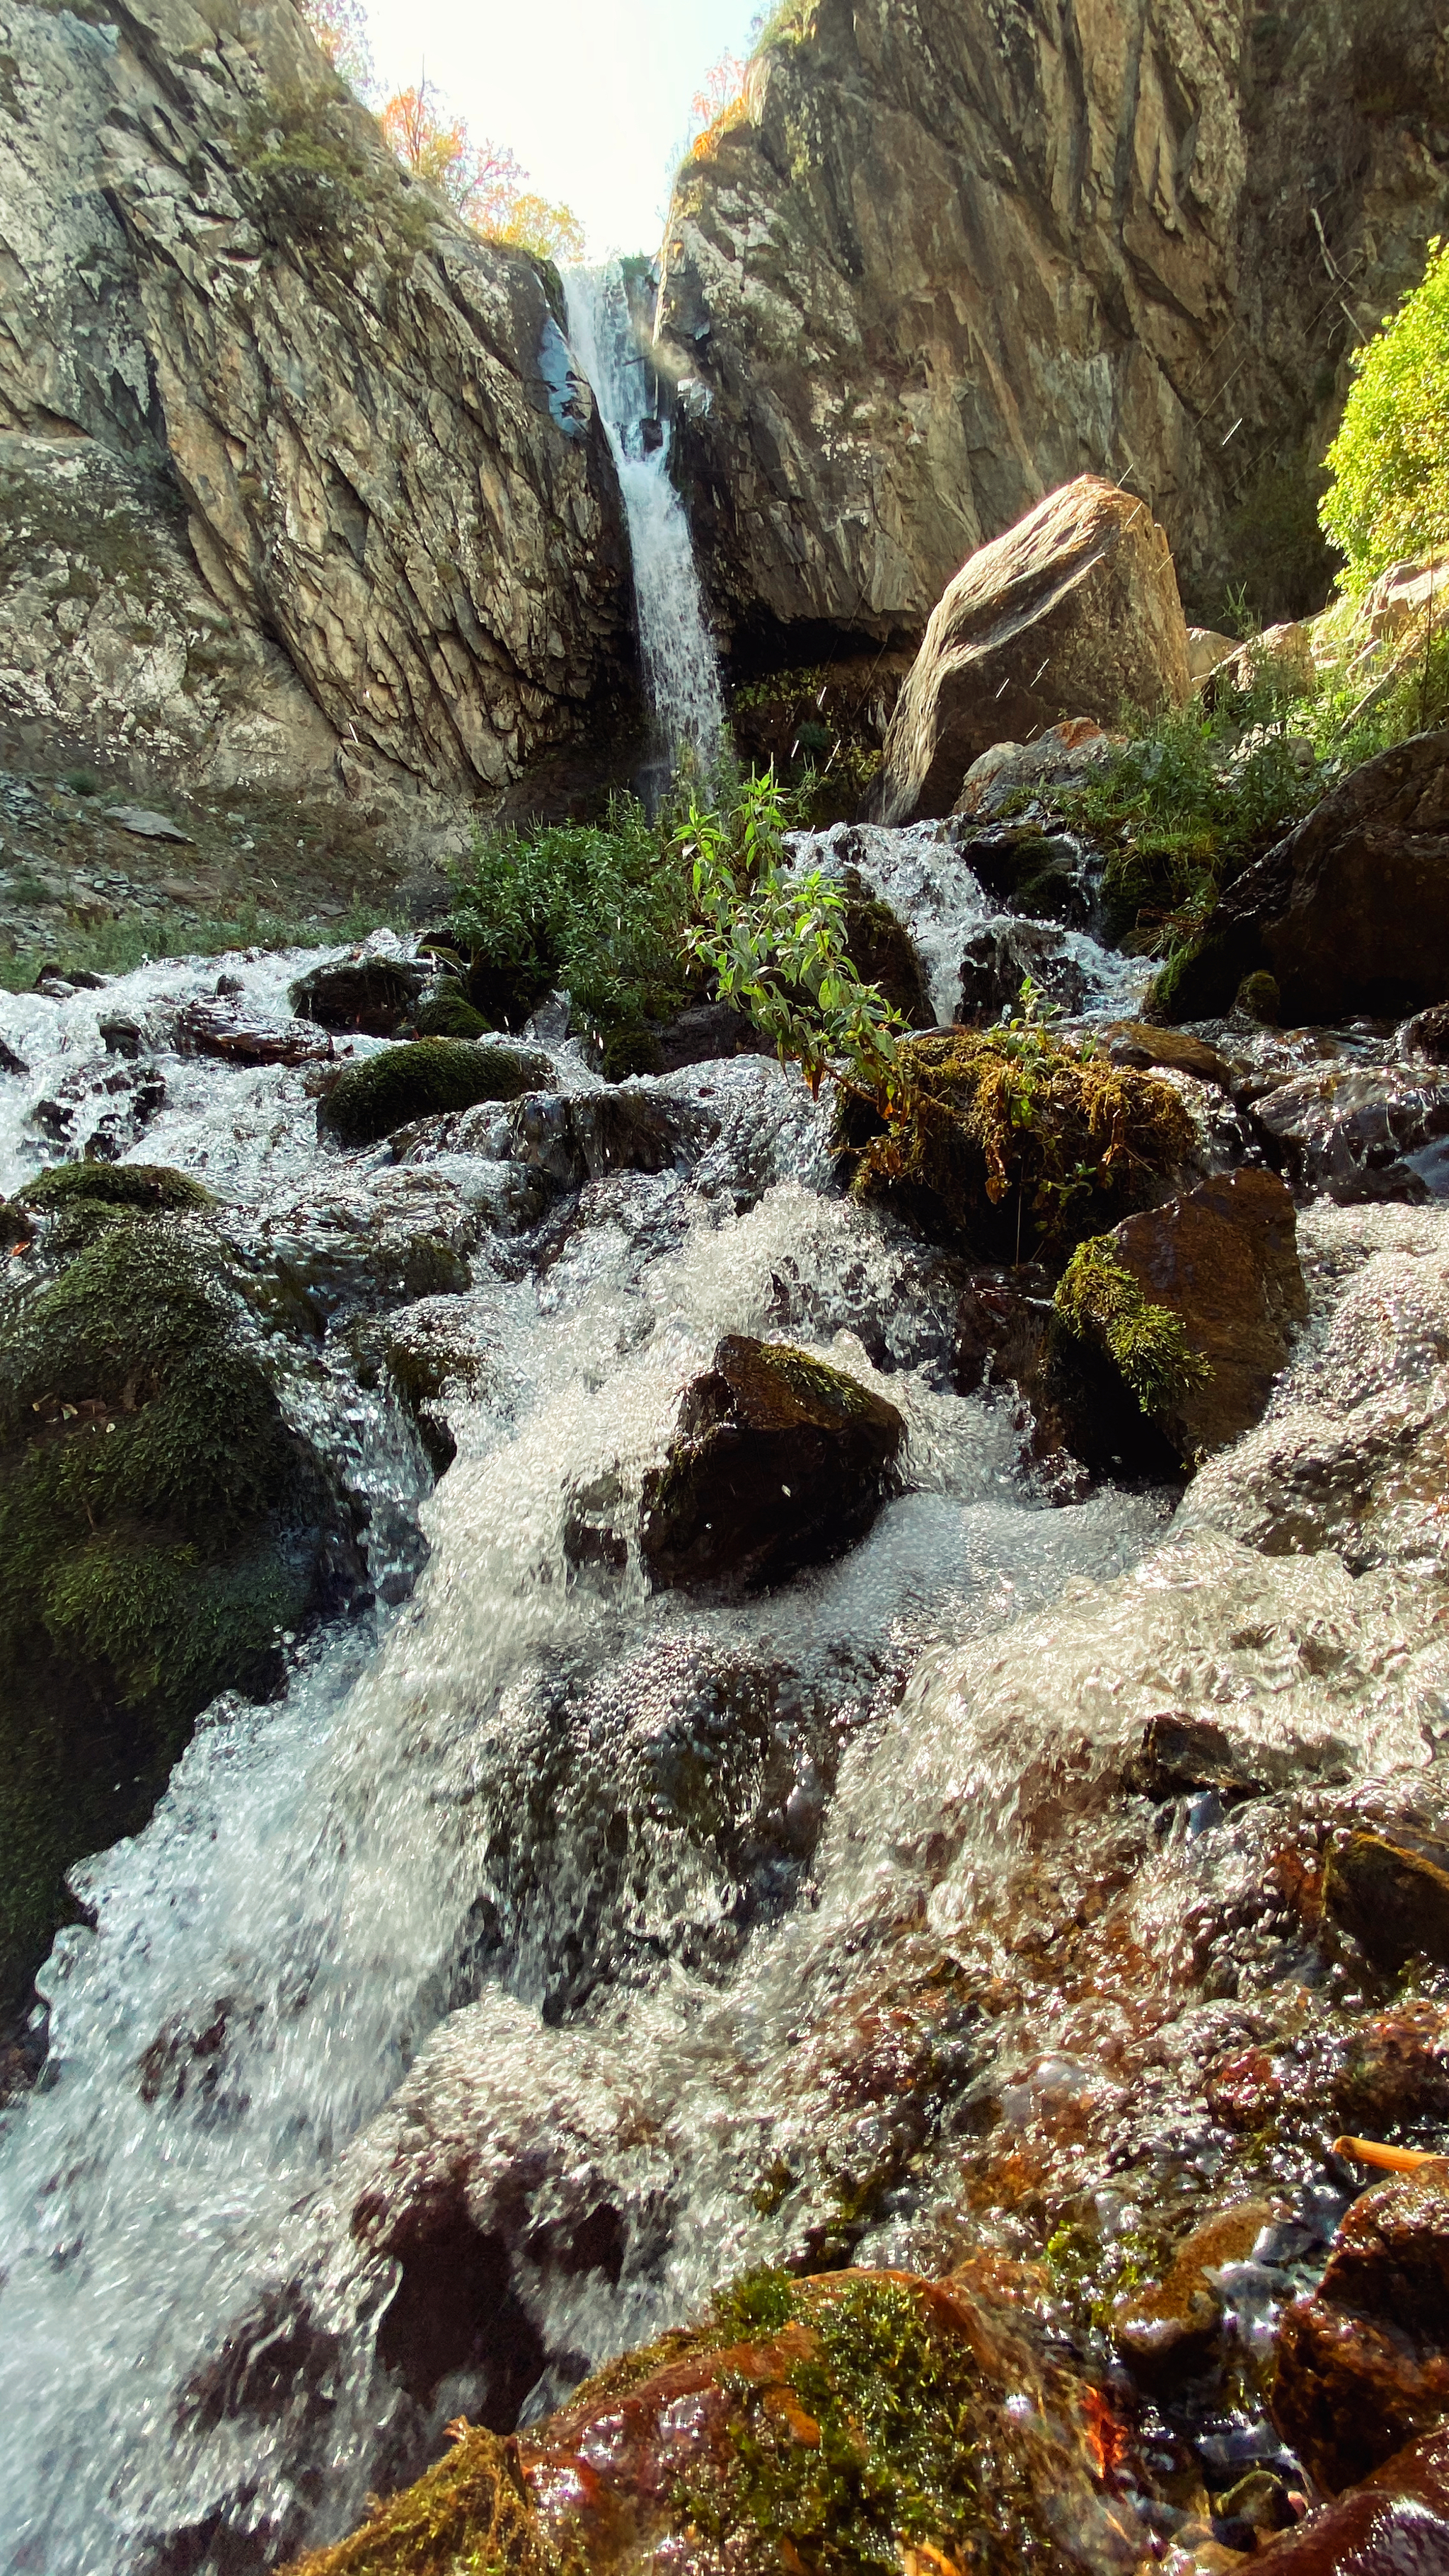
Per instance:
(961,251)
(300,481)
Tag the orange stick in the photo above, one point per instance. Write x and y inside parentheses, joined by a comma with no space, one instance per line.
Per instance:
(1369,2151)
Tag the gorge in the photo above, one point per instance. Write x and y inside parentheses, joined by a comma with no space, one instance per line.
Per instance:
(726,1743)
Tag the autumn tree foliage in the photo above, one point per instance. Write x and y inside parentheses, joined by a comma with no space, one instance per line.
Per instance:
(485,184)
(340,27)
(717,104)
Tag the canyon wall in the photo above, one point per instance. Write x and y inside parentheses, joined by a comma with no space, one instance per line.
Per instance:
(296,484)
(958,252)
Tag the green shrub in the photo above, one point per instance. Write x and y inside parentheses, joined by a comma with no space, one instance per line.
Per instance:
(419,1078)
(1390,461)
(595,908)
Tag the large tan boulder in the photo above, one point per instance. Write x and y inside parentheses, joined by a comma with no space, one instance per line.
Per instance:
(1072,612)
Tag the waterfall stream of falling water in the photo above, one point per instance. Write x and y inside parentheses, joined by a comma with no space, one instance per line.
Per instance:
(681,669)
(388,1923)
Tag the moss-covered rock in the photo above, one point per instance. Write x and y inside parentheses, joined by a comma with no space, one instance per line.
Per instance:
(853,2424)
(778,1461)
(159,1526)
(446,1012)
(1011,1143)
(149,1188)
(371,994)
(418,1079)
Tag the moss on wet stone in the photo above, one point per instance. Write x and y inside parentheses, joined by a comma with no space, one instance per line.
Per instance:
(448,1013)
(152,1187)
(1148,1344)
(417,1079)
(159,1525)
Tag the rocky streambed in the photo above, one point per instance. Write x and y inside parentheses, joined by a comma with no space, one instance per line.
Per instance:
(760,1773)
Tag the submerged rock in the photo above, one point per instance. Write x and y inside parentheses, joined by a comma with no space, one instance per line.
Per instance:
(1170,2332)
(1075,608)
(370,994)
(1396,2523)
(1363,2363)
(999,960)
(778,1461)
(1391,1890)
(1362,1132)
(421,1078)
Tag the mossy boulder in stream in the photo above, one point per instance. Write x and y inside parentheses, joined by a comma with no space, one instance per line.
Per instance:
(418,1080)
(778,1461)
(854,2424)
(160,1524)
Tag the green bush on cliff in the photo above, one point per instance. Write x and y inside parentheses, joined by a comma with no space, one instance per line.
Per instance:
(1389,498)
(154,1520)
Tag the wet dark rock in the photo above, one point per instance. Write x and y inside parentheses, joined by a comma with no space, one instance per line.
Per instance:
(1224,1257)
(1350,911)
(1361,1133)
(1040,875)
(1072,610)
(998,960)
(423,1077)
(628,1128)
(1396,2523)
(10,1062)
(368,995)
(1170,2333)
(1363,2363)
(1136,1042)
(16,1227)
(778,1461)
(1426,1034)
(704,1032)
(1391,1891)
(1394,2072)
(455,2308)
(216,1029)
(883,953)
(1008,1333)
(1180,1753)
(120,1034)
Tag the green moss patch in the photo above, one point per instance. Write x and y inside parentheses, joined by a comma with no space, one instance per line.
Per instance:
(1101,1302)
(421,1078)
(448,1013)
(152,1187)
(1014,1143)
(470,2516)
(159,1525)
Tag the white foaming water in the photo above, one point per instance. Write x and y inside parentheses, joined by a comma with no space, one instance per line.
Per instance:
(681,669)
(542,1895)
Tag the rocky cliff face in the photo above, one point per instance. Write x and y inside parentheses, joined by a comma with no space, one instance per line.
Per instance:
(297,484)
(963,250)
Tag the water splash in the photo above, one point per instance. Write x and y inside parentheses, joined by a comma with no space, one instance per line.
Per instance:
(681,670)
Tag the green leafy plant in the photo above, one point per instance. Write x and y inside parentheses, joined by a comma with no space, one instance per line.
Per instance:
(1389,497)
(775,943)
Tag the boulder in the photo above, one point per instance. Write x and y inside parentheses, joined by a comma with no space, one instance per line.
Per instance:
(424,1076)
(1391,1890)
(1073,610)
(777,1461)
(1426,1034)
(1361,1132)
(631,1127)
(1000,957)
(1042,875)
(883,953)
(701,1034)
(1349,912)
(1061,757)
(1224,1258)
(1363,2360)
(1206,650)
(370,994)
(1396,2523)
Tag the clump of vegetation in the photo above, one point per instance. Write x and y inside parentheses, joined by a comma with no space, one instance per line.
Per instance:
(446,1012)
(1389,498)
(1014,1141)
(594,908)
(159,1526)
(1100,1301)
(817,729)
(420,1078)
(152,1186)
(469,2516)
(118,947)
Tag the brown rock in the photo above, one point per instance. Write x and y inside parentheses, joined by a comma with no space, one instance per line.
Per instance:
(1137,1042)
(778,1461)
(1391,1890)
(1395,2524)
(1363,2363)
(1073,610)
(1170,2333)
(1224,1257)
(1062,756)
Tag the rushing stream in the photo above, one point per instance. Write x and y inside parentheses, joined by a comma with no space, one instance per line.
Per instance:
(508,1964)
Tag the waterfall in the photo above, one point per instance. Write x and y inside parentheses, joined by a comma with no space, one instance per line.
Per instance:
(680,667)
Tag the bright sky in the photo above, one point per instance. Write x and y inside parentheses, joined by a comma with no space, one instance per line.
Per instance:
(592,95)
